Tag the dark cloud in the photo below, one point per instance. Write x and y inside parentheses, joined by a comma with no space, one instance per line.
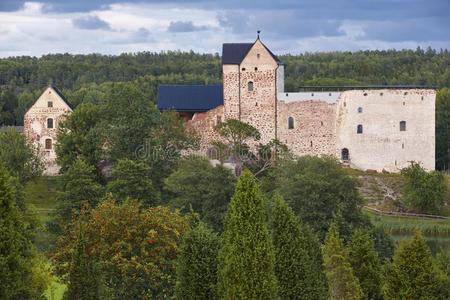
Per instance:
(184,26)
(90,23)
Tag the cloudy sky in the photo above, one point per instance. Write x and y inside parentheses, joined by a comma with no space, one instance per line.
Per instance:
(288,26)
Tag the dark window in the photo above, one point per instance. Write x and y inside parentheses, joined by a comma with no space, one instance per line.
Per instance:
(50,104)
(256,69)
(243,69)
(50,123)
(250,86)
(359,109)
(359,129)
(258,55)
(345,154)
(402,125)
(365,94)
(290,123)
(219,120)
(48,144)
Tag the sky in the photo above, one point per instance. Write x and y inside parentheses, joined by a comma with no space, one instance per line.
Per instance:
(287,26)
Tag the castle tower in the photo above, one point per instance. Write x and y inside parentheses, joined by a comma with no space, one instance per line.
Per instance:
(252,77)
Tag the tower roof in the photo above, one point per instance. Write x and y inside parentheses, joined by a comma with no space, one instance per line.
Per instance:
(234,53)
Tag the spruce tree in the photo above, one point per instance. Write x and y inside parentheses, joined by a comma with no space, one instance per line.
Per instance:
(298,264)
(83,280)
(342,283)
(197,264)
(15,247)
(366,264)
(413,273)
(246,258)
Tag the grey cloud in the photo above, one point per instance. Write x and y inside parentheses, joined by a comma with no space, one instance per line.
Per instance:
(184,26)
(90,23)
(236,20)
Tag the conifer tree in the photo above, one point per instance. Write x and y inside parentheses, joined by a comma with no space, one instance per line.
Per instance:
(15,248)
(366,264)
(413,273)
(197,264)
(342,283)
(298,264)
(246,258)
(83,280)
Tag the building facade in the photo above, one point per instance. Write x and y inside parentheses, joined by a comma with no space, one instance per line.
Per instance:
(41,123)
(380,128)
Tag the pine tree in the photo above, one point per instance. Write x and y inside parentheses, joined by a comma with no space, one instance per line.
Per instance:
(413,273)
(15,248)
(298,264)
(247,259)
(366,264)
(342,283)
(83,280)
(197,264)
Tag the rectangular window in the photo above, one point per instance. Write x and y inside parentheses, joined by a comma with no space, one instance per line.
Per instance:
(50,104)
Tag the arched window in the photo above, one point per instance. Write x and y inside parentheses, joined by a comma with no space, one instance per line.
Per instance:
(345,155)
(250,86)
(48,144)
(49,123)
(402,125)
(359,129)
(360,109)
(290,123)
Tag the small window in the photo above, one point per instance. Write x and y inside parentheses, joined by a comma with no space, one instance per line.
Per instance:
(404,103)
(290,123)
(218,120)
(321,123)
(49,123)
(256,69)
(345,104)
(250,86)
(360,110)
(345,154)
(50,104)
(287,95)
(311,144)
(329,94)
(48,144)
(312,94)
(422,98)
(243,69)
(258,55)
(405,93)
(359,129)
(381,94)
(365,94)
(402,125)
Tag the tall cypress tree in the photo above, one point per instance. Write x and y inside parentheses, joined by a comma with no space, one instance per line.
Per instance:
(15,248)
(247,259)
(298,263)
(366,264)
(413,273)
(342,283)
(197,264)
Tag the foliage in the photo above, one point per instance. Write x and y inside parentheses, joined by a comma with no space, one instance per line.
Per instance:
(443,129)
(423,191)
(413,273)
(135,248)
(317,189)
(206,189)
(79,187)
(342,283)
(246,258)
(366,264)
(266,157)
(131,180)
(384,245)
(20,159)
(443,261)
(197,264)
(298,264)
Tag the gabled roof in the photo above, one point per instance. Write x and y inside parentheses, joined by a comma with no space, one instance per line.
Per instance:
(234,53)
(189,98)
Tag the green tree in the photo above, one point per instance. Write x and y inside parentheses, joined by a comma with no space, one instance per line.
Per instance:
(83,278)
(443,129)
(131,180)
(423,191)
(413,273)
(342,283)
(298,264)
(197,264)
(366,264)
(206,189)
(79,187)
(20,159)
(246,258)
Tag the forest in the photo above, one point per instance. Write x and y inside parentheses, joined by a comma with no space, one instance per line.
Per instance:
(175,226)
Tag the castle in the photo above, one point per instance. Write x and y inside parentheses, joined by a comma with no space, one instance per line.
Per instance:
(382,128)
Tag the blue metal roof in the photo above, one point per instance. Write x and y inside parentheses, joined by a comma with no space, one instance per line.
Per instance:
(190,98)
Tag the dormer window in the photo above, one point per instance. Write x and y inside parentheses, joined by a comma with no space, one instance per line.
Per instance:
(50,104)
(250,86)
(49,123)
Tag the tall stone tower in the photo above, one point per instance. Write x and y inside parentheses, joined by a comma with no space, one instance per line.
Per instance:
(252,77)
